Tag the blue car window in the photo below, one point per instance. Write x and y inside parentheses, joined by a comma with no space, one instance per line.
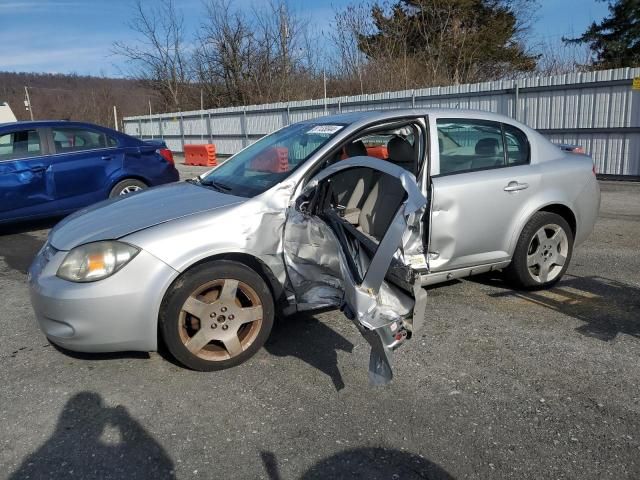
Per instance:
(72,139)
(20,144)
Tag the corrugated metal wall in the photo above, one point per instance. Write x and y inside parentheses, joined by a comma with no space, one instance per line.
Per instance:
(598,110)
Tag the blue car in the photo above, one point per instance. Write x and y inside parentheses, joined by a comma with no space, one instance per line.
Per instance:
(51,168)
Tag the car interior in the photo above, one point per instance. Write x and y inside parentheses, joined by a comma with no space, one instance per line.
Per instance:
(366,199)
(21,144)
(73,140)
(467,147)
(359,203)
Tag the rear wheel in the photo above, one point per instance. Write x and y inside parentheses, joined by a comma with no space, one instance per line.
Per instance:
(543,252)
(127,186)
(217,316)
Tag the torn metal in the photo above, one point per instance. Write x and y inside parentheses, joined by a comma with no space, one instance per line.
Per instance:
(324,264)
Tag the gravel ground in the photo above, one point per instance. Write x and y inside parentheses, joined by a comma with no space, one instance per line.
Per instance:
(501,384)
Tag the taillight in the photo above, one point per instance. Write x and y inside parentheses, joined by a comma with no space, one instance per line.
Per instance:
(579,150)
(166,154)
(594,169)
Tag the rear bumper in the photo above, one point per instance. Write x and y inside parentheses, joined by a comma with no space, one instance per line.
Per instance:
(116,314)
(587,207)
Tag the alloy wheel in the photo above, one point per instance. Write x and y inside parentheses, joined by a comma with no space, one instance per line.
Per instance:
(130,189)
(547,253)
(220,319)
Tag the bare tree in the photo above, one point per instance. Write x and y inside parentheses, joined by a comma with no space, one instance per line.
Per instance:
(159,59)
(252,55)
(560,58)
(351,24)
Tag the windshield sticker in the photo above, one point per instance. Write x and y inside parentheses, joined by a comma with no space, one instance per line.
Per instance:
(325,129)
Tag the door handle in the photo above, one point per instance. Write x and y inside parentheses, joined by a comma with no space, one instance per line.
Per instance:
(38,169)
(106,157)
(514,186)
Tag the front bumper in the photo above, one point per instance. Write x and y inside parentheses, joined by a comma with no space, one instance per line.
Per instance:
(118,313)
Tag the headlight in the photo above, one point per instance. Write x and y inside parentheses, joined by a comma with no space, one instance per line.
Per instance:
(95,261)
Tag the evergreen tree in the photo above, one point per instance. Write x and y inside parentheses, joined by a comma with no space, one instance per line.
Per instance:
(459,40)
(615,41)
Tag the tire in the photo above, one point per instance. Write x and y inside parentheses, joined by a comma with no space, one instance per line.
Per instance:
(126,186)
(246,312)
(543,252)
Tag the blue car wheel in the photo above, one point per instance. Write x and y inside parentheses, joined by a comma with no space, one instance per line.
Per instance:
(127,186)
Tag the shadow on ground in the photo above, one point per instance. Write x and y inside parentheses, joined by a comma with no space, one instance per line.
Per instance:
(607,307)
(303,336)
(18,247)
(365,463)
(92,440)
(97,356)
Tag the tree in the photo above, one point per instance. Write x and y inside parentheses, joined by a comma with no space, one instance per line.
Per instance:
(615,41)
(251,55)
(159,61)
(450,41)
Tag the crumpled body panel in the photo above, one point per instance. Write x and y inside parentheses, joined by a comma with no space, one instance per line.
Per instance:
(320,272)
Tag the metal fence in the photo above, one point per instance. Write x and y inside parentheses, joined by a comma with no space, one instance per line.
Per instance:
(597,110)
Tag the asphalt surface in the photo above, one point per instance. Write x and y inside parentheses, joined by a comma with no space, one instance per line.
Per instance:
(501,384)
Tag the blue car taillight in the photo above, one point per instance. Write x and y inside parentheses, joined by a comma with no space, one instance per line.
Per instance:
(166,154)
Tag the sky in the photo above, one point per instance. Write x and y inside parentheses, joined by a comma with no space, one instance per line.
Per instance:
(76,36)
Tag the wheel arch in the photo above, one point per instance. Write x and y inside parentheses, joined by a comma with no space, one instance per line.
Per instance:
(553,207)
(565,212)
(251,261)
(115,180)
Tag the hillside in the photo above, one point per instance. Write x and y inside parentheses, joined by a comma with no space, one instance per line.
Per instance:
(73,97)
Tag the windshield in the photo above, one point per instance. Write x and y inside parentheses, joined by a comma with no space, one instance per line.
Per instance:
(270,160)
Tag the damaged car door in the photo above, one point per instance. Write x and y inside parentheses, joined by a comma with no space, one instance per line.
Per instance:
(358,260)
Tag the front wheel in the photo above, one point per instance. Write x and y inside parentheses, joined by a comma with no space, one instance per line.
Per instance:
(217,316)
(542,253)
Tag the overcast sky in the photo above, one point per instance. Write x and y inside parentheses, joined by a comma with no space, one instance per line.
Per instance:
(70,36)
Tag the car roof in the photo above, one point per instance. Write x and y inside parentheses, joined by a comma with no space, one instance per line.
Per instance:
(48,123)
(374,115)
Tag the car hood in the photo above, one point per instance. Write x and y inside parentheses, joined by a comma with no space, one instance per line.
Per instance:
(116,218)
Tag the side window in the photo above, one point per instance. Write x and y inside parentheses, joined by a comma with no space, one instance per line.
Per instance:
(517,146)
(21,144)
(397,145)
(112,142)
(467,145)
(69,139)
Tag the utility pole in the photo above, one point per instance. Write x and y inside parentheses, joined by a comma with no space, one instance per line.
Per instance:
(27,102)
(115,117)
(150,119)
(324,81)
(202,127)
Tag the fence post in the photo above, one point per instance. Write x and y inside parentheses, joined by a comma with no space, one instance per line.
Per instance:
(160,132)
(516,102)
(209,132)
(413,98)
(181,132)
(140,127)
(243,127)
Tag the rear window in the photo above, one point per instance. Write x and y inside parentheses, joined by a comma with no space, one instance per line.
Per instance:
(20,144)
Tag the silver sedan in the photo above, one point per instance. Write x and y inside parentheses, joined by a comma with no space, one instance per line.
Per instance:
(356,211)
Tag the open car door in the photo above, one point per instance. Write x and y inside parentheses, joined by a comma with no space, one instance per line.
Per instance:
(358,258)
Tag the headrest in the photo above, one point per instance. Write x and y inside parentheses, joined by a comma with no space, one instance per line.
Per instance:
(356,149)
(487,146)
(400,151)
